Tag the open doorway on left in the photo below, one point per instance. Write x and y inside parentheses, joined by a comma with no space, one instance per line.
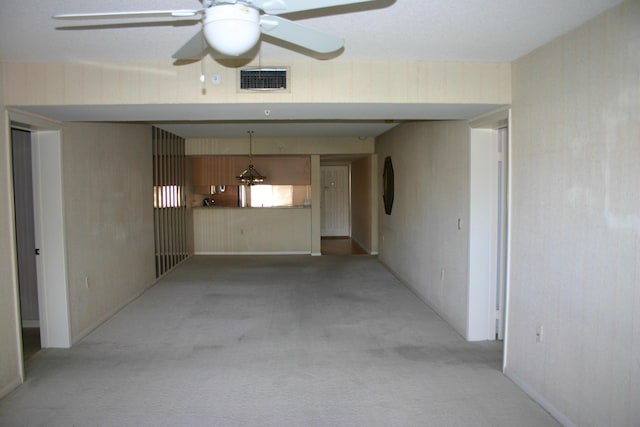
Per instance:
(25,241)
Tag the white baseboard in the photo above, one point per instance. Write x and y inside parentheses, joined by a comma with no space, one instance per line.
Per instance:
(424,299)
(363,246)
(12,385)
(86,331)
(533,394)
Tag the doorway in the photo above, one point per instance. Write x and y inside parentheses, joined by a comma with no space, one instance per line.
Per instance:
(44,138)
(335,207)
(488,227)
(335,201)
(501,231)
(26,251)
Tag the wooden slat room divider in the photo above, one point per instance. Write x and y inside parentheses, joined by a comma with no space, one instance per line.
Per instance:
(170,206)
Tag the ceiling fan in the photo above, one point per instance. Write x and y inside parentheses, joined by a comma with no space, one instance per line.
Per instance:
(233,27)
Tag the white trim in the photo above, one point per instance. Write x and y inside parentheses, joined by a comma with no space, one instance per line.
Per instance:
(363,246)
(507,262)
(375,190)
(13,256)
(316,254)
(316,222)
(537,397)
(482,236)
(491,120)
(53,296)
(424,300)
(86,331)
(30,121)
(12,385)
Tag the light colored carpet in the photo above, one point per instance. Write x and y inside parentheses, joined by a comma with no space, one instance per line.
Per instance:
(30,342)
(273,341)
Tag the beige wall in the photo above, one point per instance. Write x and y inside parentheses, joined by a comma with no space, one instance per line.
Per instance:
(575,250)
(10,354)
(311,81)
(420,238)
(108,201)
(361,203)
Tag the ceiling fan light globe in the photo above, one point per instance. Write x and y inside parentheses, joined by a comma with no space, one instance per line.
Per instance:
(232,29)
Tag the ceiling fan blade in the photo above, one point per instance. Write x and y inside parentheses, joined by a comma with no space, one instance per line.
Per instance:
(300,35)
(140,14)
(193,49)
(278,7)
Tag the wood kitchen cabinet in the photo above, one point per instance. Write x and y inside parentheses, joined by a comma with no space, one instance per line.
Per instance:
(223,170)
(216,170)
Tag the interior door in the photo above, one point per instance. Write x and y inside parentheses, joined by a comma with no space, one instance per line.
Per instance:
(334,203)
(501,255)
(25,228)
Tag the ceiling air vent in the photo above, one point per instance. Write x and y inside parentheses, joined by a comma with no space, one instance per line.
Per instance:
(264,79)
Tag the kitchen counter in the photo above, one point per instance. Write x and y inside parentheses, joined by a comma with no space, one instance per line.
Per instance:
(251,207)
(233,230)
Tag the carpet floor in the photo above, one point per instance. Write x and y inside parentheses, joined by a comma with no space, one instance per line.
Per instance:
(272,341)
(30,342)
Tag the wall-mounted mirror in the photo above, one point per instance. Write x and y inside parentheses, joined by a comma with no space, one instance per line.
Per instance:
(387,185)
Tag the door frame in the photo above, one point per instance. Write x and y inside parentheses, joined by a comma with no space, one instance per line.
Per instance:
(53,292)
(488,258)
(347,166)
(23,210)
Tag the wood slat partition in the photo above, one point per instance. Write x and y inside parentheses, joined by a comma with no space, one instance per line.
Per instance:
(170,207)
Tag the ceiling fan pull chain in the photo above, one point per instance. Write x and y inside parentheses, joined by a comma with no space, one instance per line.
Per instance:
(203,76)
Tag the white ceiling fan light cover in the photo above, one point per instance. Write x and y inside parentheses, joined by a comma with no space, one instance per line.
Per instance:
(232,29)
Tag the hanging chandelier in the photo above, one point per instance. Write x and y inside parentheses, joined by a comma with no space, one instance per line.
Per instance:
(250,176)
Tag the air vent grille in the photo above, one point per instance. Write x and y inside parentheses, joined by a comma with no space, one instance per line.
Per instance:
(264,79)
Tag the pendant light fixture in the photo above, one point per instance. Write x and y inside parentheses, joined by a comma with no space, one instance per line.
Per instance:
(251,176)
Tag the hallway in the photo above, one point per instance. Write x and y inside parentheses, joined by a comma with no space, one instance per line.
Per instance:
(341,246)
(272,341)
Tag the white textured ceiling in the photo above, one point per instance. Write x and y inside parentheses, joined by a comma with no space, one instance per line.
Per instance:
(430,30)
(434,30)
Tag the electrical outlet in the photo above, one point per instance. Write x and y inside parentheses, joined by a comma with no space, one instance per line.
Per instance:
(539,332)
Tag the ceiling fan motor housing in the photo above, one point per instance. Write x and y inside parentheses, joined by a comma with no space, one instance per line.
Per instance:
(232,29)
